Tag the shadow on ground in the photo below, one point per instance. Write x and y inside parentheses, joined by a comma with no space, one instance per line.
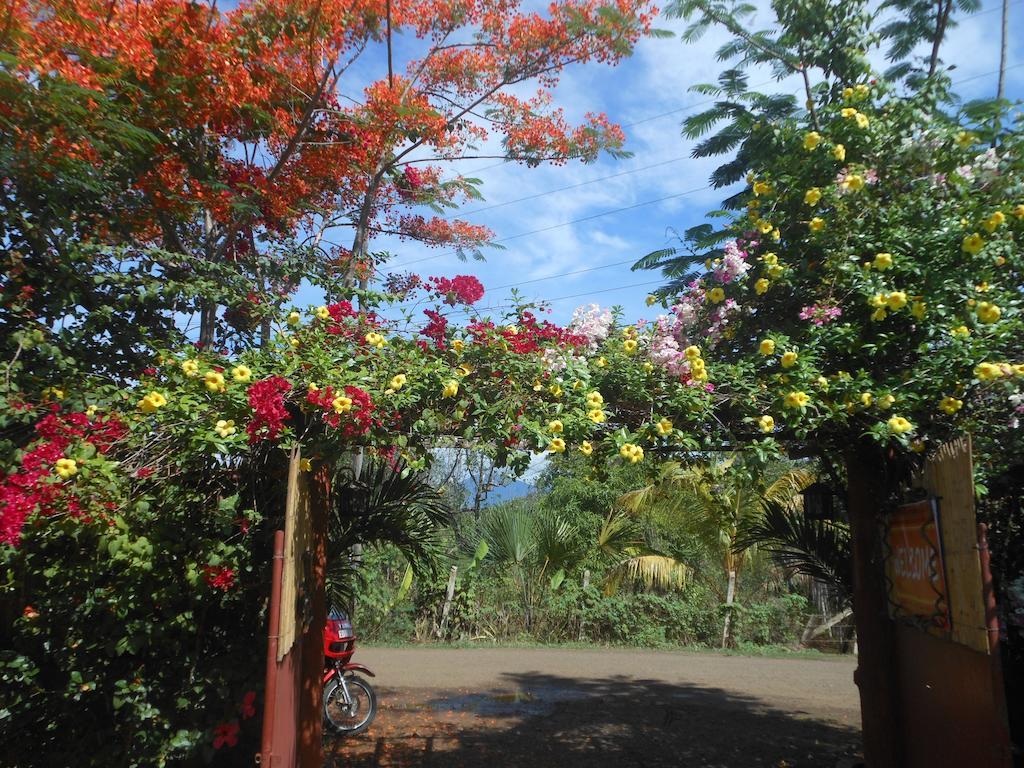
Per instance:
(545,721)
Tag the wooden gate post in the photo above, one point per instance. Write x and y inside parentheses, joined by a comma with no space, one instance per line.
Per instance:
(877,675)
(311,715)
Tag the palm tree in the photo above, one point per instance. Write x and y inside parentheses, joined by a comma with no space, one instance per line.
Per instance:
(535,547)
(714,502)
(635,559)
(385,504)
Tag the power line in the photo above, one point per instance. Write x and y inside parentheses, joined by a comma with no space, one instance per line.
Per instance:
(567,223)
(573,186)
(561,298)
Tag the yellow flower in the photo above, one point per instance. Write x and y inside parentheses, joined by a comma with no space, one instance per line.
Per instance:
(788,359)
(692,352)
(900,425)
(973,243)
(648,366)
(866,398)
(764,227)
(697,364)
(537,385)
(896,300)
(594,399)
(879,314)
(555,427)
(861,90)
(214,381)
(632,453)
(853,183)
(849,113)
(151,402)
(664,427)
(629,345)
(293,318)
(342,404)
(816,224)
(241,373)
(190,368)
(885,402)
(374,339)
(993,222)
(812,140)
(761,286)
(586,448)
(950,405)
(762,188)
(771,259)
(1018,210)
(397,382)
(776,235)
(557,445)
(839,152)
(451,388)
(224,428)
(596,415)
(766,423)
(961,331)
(847,93)
(812,196)
(766,347)
(796,399)
(716,295)
(555,390)
(965,139)
(918,309)
(882,261)
(322,313)
(305,465)
(458,345)
(988,312)
(601,362)
(651,300)
(66,468)
(822,383)
(294,342)
(988,371)
(464,370)
(861,119)
(91,411)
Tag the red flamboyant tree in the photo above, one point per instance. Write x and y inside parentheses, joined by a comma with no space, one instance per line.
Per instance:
(173,127)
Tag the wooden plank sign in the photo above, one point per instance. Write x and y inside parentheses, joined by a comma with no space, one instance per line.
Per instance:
(915,566)
(297,540)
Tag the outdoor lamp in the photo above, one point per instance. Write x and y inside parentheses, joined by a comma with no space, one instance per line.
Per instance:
(817,501)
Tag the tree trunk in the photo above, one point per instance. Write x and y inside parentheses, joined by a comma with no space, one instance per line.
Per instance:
(730,595)
(586,585)
(877,675)
(442,626)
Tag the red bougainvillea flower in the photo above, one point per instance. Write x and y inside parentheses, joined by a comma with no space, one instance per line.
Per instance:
(461,289)
(436,328)
(30,613)
(226,735)
(219,577)
(266,398)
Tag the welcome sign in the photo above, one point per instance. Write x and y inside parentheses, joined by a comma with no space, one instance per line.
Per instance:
(915,567)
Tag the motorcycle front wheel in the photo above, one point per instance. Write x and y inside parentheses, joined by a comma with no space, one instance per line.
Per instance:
(354,715)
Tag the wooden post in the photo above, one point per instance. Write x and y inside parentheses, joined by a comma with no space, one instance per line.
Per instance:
(877,675)
(267,757)
(311,716)
(443,624)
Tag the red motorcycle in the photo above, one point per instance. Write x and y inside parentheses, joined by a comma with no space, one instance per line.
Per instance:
(350,703)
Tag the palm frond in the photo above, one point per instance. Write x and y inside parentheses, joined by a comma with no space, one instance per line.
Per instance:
(659,572)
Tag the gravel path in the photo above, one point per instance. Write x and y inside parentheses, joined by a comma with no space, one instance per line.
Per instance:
(595,707)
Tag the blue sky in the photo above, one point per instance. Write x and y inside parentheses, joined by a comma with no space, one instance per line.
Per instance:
(564,243)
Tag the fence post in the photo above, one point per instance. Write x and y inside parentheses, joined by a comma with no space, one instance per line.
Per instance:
(443,625)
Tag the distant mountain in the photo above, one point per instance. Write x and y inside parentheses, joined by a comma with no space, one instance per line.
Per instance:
(514,490)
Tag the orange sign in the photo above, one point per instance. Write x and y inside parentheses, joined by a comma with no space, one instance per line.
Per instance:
(915,568)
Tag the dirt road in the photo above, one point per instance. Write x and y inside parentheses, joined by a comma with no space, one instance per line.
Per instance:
(562,708)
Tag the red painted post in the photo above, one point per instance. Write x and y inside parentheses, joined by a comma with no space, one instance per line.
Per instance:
(273,633)
(311,717)
(988,591)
